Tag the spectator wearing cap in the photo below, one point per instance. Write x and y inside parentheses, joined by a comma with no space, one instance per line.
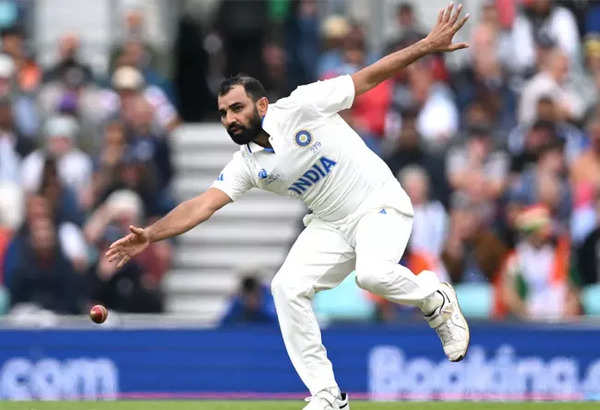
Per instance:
(537,280)
(552,81)
(135,287)
(74,166)
(128,82)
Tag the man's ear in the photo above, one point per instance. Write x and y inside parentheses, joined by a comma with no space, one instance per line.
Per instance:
(261,106)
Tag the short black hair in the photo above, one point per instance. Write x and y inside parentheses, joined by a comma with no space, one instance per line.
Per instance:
(253,87)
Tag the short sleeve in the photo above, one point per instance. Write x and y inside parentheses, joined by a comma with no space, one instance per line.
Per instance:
(329,96)
(235,179)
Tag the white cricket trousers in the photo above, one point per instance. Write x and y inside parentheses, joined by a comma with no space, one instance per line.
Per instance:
(323,255)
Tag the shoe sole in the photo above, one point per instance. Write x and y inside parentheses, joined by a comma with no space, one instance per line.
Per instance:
(452,294)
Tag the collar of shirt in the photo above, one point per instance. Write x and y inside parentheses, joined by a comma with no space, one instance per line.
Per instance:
(253,148)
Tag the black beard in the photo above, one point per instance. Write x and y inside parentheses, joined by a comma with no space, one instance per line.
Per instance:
(247,134)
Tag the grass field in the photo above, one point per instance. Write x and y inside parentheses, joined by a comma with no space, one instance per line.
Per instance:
(285,405)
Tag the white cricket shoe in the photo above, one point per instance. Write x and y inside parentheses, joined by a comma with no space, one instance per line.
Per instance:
(450,325)
(325,400)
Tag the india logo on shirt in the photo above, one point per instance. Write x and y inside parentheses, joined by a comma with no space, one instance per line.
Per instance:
(303,138)
(319,170)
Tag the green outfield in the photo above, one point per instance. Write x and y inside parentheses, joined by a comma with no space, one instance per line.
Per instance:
(285,405)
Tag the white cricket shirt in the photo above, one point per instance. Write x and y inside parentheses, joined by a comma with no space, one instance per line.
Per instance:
(316,157)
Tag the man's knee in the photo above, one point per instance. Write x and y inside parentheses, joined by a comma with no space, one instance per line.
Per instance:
(373,276)
(284,287)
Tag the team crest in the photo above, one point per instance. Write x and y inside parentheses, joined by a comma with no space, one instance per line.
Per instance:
(303,138)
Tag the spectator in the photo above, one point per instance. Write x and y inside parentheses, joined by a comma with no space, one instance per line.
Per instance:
(546,183)
(430,219)
(525,155)
(68,60)
(10,161)
(129,83)
(28,73)
(334,30)
(476,167)
(553,81)
(302,43)
(472,252)
(407,27)
(134,287)
(544,18)
(588,254)
(585,170)
(536,279)
(252,304)
(74,166)
(37,269)
(410,150)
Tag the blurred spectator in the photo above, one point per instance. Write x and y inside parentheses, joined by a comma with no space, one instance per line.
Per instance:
(536,278)
(68,60)
(334,30)
(547,111)
(136,286)
(28,72)
(586,168)
(472,252)
(302,43)
(74,166)
(129,83)
(407,27)
(544,18)
(438,117)
(588,254)
(546,183)
(11,218)
(252,304)
(37,269)
(476,167)
(552,81)
(525,154)
(409,149)
(9,158)
(430,219)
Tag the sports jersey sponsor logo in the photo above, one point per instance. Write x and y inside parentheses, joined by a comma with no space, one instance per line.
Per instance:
(220,178)
(262,174)
(319,170)
(303,138)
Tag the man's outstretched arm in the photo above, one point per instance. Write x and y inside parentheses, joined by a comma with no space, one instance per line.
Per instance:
(181,219)
(438,40)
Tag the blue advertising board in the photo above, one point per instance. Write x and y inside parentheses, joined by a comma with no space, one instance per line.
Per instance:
(504,362)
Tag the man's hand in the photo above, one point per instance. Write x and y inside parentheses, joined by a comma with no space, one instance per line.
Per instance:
(440,37)
(126,248)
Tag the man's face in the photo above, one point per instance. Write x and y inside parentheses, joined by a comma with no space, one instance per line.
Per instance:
(239,115)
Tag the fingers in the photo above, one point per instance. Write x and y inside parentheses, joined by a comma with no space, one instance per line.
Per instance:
(441,15)
(123,261)
(458,46)
(454,17)
(136,230)
(110,253)
(448,12)
(461,23)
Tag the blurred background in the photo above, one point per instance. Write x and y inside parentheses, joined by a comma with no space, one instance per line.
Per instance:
(108,118)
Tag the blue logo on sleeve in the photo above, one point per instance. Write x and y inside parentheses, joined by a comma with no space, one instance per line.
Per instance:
(303,138)
(262,174)
(319,170)
(220,178)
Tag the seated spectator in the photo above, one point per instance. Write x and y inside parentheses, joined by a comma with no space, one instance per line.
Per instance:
(74,166)
(588,254)
(547,112)
(135,287)
(38,271)
(68,59)
(430,220)
(553,81)
(409,150)
(252,304)
(28,72)
(586,167)
(333,31)
(477,167)
(536,280)
(541,133)
(10,161)
(546,183)
(438,117)
(129,83)
(472,252)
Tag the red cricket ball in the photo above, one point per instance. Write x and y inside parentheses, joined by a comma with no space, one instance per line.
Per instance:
(98,313)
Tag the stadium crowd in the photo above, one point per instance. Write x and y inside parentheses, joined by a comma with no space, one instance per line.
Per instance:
(499,151)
